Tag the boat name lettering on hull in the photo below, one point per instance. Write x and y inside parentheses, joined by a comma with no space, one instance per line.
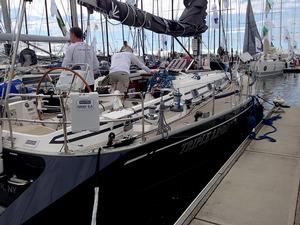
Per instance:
(204,138)
(8,189)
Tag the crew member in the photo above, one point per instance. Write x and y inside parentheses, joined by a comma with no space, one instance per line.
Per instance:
(120,69)
(79,52)
(126,47)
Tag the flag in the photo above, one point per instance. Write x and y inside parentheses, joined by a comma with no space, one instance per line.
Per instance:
(55,12)
(53,8)
(61,23)
(258,45)
(267,26)
(265,31)
(215,17)
(268,6)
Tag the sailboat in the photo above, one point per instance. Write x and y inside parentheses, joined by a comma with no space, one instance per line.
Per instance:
(46,155)
(267,61)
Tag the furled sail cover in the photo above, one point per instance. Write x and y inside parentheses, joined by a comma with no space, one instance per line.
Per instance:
(191,22)
(252,39)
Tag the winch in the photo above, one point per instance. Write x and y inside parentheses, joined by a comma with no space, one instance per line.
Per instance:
(177,106)
(152,113)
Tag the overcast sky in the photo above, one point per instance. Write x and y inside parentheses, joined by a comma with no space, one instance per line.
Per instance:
(234,20)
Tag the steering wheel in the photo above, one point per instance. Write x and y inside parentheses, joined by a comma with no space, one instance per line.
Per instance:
(46,76)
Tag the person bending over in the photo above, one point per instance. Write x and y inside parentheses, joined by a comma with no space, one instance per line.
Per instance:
(120,69)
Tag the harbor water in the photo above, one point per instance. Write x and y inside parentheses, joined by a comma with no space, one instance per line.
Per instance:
(286,86)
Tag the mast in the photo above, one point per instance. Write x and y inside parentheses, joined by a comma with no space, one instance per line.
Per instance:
(215,34)
(294,23)
(208,35)
(6,16)
(280,25)
(138,41)
(143,34)
(102,34)
(247,24)
(26,25)
(152,31)
(12,67)
(74,17)
(237,17)
(172,39)
(220,6)
(47,23)
(81,19)
(107,42)
(227,28)
(158,37)
(123,35)
(231,41)
(88,38)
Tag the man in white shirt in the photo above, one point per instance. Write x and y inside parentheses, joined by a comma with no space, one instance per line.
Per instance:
(79,52)
(126,47)
(120,69)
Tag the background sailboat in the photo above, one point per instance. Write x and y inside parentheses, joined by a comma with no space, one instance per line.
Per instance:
(268,62)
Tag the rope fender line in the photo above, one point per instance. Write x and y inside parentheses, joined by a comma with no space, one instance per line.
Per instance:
(268,122)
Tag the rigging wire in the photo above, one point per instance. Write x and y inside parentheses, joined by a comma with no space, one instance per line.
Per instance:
(6,78)
(42,18)
(231,29)
(208,36)
(15,28)
(237,27)
(67,19)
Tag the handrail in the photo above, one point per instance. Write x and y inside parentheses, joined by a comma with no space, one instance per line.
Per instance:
(64,122)
(143,117)
(67,96)
(227,94)
(64,125)
(213,99)
(67,122)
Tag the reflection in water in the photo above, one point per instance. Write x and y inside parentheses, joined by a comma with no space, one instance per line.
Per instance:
(286,86)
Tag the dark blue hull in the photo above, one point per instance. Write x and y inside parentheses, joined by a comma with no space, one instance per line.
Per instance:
(63,192)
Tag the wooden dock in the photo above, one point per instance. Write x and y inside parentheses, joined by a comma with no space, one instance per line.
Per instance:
(258,185)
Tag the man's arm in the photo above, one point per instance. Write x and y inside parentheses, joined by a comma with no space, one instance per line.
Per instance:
(95,63)
(68,57)
(130,49)
(135,60)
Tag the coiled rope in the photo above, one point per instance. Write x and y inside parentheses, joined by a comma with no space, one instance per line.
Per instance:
(268,122)
(163,127)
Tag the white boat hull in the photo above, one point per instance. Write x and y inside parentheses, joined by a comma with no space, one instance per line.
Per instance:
(267,68)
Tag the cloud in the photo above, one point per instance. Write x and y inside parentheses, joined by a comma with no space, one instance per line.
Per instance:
(37,21)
